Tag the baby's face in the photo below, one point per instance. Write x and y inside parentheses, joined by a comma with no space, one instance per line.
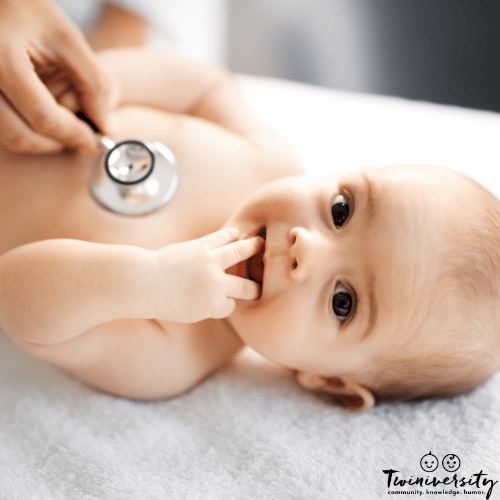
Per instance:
(349,264)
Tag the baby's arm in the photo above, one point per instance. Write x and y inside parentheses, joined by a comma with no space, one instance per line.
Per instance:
(166,81)
(187,89)
(92,309)
(53,290)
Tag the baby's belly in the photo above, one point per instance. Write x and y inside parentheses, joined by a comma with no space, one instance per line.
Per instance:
(45,197)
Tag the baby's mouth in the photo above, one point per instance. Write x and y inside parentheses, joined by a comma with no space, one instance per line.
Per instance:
(256,262)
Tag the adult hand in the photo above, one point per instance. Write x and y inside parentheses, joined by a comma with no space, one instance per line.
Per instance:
(45,60)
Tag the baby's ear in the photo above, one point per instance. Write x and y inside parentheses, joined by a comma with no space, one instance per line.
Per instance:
(351,394)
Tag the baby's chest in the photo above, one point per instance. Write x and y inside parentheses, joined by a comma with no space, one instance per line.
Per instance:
(52,199)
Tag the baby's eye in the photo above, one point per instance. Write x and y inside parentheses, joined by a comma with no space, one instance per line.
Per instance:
(340,210)
(341,303)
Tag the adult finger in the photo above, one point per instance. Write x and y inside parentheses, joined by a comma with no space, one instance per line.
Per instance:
(64,93)
(241,288)
(240,250)
(37,107)
(69,100)
(16,135)
(220,238)
(91,79)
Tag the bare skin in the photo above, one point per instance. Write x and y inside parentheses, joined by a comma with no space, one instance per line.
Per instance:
(42,54)
(352,270)
(142,307)
(118,27)
(54,235)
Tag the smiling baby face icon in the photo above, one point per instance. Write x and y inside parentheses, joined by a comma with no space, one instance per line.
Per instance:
(429,462)
(451,463)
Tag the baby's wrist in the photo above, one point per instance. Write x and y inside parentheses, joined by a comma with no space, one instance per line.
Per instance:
(158,282)
(139,295)
(167,297)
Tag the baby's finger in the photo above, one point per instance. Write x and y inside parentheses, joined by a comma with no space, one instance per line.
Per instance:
(241,288)
(225,310)
(240,250)
(220,238)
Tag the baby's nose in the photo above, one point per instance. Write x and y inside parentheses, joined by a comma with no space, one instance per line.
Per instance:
(310,253)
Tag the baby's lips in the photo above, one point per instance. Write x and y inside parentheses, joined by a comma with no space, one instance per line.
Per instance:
(260,292)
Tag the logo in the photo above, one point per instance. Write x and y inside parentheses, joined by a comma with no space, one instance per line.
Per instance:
(442,482)
(451,463)
(429,462)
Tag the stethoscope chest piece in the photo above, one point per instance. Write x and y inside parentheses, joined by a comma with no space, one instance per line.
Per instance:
(134,177)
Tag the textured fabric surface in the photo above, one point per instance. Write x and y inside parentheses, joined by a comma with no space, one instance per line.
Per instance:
(249,432)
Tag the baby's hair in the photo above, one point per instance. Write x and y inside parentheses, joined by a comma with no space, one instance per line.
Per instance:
(448,372)
(464,316)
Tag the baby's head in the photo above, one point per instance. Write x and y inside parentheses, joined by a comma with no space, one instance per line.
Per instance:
(376,284)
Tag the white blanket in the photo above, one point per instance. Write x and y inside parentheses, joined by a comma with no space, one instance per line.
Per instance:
(250,432)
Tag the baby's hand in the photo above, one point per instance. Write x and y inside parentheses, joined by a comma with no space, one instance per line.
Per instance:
(194,284)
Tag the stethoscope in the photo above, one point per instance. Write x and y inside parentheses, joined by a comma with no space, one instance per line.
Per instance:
(133,177)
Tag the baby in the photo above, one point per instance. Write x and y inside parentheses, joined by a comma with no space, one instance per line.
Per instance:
(377,284)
